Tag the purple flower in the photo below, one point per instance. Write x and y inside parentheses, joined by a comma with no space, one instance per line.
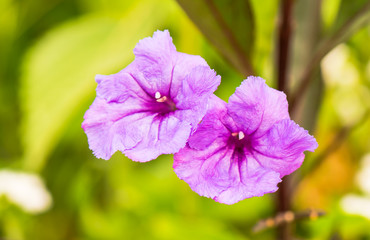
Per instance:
(153,105)
(243,149)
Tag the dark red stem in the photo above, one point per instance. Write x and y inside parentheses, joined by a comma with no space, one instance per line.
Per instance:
(285,29)
(284,43)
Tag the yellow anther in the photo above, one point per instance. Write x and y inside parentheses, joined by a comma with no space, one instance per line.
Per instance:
(162,99)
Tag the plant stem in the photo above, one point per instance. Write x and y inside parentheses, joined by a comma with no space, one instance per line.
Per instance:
(287,217)
(284,44)
(285,29)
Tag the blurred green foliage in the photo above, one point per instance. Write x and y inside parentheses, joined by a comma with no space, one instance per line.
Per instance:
(50,51)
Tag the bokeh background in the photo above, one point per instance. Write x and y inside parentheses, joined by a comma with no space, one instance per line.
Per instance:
(51,185)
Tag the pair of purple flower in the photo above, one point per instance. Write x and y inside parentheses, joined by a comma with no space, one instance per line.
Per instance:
(163,103)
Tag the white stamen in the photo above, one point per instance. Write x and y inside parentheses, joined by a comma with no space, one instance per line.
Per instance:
(157,95)
(240,135)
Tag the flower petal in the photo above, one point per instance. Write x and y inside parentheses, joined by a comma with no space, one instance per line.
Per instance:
(255,107)
(197,87)
(211,126)
(206,171)
(281,148)
(221,173)
(120,86)
(112,126)
(155,58)
(184,64)
(253,181)
(164,135)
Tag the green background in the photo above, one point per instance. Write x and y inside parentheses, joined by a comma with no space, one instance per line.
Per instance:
(50,52)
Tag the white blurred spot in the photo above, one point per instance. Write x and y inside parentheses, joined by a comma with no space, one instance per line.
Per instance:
(341,75)
(348,104)
(357,205)
(337,69)
(25,190)
(157,95)
(363,176)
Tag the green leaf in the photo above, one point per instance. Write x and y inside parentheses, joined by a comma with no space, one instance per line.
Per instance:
(352,16)
(348,9)
(228,25)
(59,71)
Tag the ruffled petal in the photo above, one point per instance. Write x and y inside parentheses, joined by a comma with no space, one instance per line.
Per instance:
(211,126)
(155,59)
(221,173)
(120,86)
(255,107)
(113,126)
(206,171)
(163,135)
(185,63)
(263,182)
(281,148)
(250,179)
(197,87)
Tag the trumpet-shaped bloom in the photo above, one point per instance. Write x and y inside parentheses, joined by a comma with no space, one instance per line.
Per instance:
(153,105)
(242,149)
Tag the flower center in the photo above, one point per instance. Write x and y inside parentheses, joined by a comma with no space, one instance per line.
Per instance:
(167,104)
(239,135)
(241,141)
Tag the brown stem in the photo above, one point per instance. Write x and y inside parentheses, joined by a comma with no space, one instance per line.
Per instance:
(284,44)
(285,29)
(284,204)
(287,217)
